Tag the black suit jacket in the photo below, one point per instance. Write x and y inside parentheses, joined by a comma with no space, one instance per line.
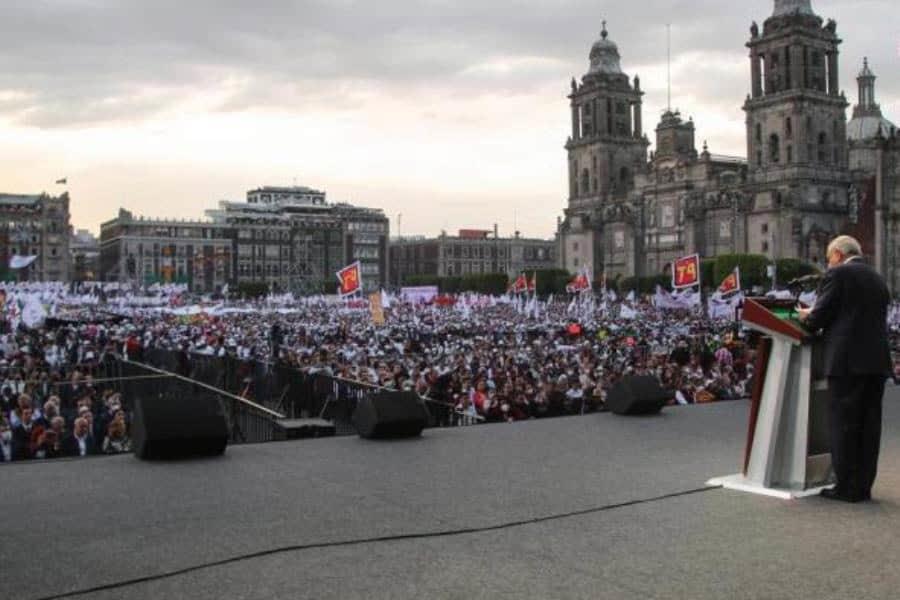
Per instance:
(851,309)
(70,446)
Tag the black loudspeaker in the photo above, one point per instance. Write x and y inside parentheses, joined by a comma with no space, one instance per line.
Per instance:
(177,427)
(390,415)
(636,395)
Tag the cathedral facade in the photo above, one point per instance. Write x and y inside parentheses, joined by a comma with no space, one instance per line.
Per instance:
(809,174)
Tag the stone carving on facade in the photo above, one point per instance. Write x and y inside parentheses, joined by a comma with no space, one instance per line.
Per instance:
(853,200)
(694,205)
(620,212)
(754,30)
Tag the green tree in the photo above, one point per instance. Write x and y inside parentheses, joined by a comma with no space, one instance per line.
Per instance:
(252,289)
(792,268)
(551,281)
(708,273)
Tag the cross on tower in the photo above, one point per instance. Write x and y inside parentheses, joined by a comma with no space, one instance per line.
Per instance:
(603,33)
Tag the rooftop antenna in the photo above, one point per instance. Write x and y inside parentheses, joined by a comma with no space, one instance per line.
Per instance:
(669,66)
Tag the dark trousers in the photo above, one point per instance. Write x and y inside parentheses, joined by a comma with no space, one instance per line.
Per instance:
(855,421)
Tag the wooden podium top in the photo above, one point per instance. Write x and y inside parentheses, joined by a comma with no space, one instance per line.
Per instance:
(757,314)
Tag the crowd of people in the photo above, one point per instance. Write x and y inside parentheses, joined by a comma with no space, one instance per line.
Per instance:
(51,402)
(490,358)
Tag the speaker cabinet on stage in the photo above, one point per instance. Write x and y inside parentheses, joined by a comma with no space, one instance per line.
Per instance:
(637,395)
(178,427)
(390,415)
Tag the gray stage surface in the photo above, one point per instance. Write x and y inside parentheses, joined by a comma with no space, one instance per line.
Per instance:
(582,507)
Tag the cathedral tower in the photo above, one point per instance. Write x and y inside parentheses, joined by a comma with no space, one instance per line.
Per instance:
(607,147)
(796,134)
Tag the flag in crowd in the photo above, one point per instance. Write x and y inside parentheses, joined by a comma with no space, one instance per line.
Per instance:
(350,280)
(731,283)
(580,283)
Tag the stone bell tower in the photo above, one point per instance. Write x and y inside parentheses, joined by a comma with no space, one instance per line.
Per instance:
(796,134)
(606,148)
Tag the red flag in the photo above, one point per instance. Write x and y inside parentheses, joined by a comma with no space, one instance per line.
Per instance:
(532,285)
(350,280)
(519,285)
(732,283)
(580,283)
(686,272)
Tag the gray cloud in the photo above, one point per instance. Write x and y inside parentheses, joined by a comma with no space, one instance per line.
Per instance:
(75,62)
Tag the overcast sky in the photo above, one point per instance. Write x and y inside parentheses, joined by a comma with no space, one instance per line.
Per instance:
(451,112)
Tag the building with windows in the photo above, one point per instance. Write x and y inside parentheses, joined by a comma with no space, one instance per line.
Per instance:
(809,175)
(297,241)
(289,239)
(35,228)
(84,250)
(144,251)
(286,196)
(471,251)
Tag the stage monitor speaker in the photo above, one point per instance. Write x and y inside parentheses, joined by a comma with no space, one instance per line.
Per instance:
(637,395)
(169,427)
(390,415)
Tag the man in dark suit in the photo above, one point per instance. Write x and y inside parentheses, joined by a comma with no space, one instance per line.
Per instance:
(81,442)
(851,310)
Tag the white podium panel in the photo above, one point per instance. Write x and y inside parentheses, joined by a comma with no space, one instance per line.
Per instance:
(787,453)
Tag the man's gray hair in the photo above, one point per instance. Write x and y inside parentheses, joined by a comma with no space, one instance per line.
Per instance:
(846,245)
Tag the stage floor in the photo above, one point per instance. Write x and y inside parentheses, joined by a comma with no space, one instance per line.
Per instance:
(581,507)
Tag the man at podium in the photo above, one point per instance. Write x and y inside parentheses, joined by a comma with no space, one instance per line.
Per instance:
(851,311)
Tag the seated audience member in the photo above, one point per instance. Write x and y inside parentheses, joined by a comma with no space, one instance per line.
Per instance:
(81,442)
(21,437)
(6,447)
(117,440)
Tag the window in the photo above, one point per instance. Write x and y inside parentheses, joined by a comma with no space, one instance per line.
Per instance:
(764,228)
(774,148)
(668,216)
(790,153)
(574,246)
(585,180)
(765,246)
(758,132)
(823,147)
(788,127)
(724,230)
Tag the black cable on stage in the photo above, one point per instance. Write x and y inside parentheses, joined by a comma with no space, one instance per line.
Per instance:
(372,540)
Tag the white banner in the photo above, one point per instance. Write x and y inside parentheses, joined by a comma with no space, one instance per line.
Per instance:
(724,308)
(20,262)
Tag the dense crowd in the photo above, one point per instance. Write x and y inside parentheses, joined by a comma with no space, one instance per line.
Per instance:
(51,402)
(495,359)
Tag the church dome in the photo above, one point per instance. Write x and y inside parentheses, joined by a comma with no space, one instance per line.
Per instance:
(866,127)
(605,57)
(791,7)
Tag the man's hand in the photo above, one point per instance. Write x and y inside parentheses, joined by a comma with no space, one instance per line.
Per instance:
(803,313)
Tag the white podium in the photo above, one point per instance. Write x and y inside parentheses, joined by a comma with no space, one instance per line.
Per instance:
(787,453)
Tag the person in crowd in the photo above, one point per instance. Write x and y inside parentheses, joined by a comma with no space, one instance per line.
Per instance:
(116,440)
(21,436)
(81,442)
(6,443)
